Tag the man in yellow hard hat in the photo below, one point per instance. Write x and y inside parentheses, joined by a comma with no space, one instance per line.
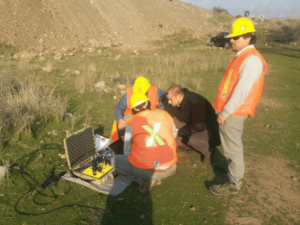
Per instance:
(237,97)
(123,109)
(149,145)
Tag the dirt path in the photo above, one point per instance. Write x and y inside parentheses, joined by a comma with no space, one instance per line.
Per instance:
(270,194)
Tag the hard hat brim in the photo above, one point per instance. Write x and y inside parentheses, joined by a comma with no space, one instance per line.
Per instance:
(138,103)
(138,99)
(231,36)
(235,35)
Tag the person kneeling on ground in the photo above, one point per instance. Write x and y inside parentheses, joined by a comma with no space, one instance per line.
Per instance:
(149,145)
(123,108)
(198,129)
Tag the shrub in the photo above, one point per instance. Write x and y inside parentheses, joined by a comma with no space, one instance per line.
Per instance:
(220,10)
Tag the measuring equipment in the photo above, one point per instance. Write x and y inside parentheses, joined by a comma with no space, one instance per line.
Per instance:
(83,158)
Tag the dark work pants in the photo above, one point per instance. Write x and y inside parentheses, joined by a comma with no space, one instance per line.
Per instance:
(219,165)
(199,142)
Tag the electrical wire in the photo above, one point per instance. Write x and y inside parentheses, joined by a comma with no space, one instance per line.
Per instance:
(51,179)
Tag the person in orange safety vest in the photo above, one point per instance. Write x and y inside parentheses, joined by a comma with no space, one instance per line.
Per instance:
(123,109)
(237,97)
(149,145)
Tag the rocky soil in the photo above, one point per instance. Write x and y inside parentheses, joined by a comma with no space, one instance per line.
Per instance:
(47,24)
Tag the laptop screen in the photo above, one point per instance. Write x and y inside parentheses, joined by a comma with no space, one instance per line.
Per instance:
(117,147)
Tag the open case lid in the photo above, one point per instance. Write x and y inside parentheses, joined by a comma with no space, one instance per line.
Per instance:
(80,148)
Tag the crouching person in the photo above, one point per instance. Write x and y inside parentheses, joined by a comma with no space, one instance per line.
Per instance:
(198,129)
(149,145)
(157,99)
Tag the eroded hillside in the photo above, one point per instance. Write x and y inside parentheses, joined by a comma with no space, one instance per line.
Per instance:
(42,24)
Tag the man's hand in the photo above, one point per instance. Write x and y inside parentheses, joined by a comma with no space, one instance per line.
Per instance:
(221,119)
(121,124)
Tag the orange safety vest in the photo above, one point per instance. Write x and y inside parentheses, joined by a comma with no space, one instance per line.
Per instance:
(230,80)
(153,142)
(153,98)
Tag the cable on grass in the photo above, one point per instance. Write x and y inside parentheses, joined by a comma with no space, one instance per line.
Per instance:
(51,179)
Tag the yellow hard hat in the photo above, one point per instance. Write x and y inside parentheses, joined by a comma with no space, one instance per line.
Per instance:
(141,84)
(241,26)
(137,99)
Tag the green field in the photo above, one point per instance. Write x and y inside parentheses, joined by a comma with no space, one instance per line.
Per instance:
(33,129)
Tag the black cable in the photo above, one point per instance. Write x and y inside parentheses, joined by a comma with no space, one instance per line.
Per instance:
(46,184)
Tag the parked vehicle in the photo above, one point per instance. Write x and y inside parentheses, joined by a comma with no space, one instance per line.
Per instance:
(220,40)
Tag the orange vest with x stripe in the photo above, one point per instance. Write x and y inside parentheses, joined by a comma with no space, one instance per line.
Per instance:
(153,141)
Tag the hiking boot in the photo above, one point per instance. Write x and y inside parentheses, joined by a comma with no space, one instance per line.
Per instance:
(224,189)
(148,185)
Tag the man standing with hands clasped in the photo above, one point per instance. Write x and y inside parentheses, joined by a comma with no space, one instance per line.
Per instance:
(238,95)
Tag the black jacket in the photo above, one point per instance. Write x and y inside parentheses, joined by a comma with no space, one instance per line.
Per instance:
(198,114)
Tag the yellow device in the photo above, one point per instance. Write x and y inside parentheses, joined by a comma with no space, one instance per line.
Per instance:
(81,152)
(105,168)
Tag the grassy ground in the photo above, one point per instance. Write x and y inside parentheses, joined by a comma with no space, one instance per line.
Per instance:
(182,198)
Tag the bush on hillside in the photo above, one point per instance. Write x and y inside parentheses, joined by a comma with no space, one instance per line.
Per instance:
(283,30)
(291,33)
(220,10)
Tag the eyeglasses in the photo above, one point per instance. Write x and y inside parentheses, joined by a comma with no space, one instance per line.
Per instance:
(236,38)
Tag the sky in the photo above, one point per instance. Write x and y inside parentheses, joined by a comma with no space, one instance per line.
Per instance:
(268,8)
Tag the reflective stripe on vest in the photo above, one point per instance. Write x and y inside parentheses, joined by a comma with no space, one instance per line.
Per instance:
(230,80)
(153,142)
(153,135)
(225,89)
(152,96)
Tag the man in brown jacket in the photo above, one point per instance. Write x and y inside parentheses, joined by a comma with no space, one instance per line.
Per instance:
(198,129)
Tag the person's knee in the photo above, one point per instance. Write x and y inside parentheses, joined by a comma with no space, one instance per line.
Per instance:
(199,141)
(192,141)
(120,161)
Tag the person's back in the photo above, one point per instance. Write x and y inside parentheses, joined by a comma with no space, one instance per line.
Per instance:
(153,140)
(149,145)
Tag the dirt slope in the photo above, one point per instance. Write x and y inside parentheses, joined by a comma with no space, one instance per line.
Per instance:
(41,24)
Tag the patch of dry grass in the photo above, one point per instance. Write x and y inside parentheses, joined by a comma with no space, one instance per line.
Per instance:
(86,79)
(6,180)
(26,101)
(48,68)
(183,68)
